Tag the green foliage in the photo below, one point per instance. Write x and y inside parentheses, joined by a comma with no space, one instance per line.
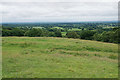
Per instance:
(58,33)
(116,36)
(6,33)
(34,33)
(108,36)
(17,32)
(87,34)
(97,37)
(72,34)
(51,34)
(89,31)
(13,32)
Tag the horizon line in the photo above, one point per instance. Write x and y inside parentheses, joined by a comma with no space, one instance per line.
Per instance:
(56,22)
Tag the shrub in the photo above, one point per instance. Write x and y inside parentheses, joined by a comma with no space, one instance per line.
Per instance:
(72,35)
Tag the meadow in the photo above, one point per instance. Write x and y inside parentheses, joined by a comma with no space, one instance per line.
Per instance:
(48,57)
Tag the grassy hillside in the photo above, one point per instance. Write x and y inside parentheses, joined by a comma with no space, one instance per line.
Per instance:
(32,57)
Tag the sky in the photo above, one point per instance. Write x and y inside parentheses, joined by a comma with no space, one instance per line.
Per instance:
(58,10)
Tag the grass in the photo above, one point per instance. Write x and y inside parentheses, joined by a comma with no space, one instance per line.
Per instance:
(74,29)
(33,57)
(58,27)
(63,33)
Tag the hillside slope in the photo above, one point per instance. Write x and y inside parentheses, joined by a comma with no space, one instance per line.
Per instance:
(33,57)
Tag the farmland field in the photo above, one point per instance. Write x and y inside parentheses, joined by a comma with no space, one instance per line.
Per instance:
(45,57)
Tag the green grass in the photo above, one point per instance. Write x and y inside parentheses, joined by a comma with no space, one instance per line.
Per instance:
(38,27)
(57,27)
(74,29)
(33,57)
(63,33)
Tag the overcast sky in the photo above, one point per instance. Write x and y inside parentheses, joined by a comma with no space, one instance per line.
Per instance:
(58,11)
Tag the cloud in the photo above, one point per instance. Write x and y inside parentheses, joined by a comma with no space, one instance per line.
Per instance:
(59,1)
(58,11)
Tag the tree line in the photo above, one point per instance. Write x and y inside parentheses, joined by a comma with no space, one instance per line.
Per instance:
(30,32)
(112,36)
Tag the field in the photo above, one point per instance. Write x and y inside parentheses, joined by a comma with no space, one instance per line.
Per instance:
(45,57)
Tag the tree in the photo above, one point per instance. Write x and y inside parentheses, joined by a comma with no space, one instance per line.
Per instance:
(34,33)
(12,32)
(107,36)
(51,34)
(58,33)
(17,32)
(116,36)
(97,37)
(87,34)
(6,32)
(72,35)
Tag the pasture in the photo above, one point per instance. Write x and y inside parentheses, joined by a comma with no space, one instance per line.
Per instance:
(45,57)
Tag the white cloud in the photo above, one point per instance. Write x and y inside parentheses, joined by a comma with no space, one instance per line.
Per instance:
(59,0)
(58,11)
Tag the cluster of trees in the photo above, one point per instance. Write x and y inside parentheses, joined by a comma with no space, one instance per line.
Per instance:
(112,36)
(108,36)
(10,31)
(41,33)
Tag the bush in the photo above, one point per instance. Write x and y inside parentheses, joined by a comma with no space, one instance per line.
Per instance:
(87,34)
(57,33)
(97,37)
(34,33)
(72,35)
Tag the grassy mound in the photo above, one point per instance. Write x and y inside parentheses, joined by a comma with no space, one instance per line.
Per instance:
(33,57)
